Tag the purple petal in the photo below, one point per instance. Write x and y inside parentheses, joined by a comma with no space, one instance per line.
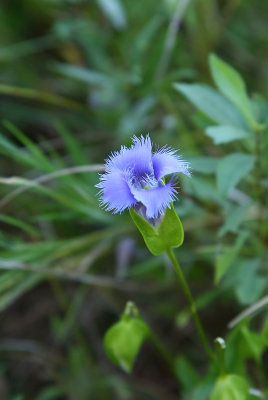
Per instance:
(115,191)
(166,161)
(157,199)
(138,158)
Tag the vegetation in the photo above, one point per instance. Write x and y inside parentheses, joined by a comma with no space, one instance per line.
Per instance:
(87,312)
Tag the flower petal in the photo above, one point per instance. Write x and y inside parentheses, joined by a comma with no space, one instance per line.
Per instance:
(166,161)
(115,191)
(138,158)
(157,199)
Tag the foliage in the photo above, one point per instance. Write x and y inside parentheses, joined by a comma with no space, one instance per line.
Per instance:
(78,79)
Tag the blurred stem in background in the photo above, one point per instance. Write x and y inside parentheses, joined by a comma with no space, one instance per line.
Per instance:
(259,188)
(163,353)
(170,40)
(38,95)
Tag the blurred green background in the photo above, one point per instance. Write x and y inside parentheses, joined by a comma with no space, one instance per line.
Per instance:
(78,78)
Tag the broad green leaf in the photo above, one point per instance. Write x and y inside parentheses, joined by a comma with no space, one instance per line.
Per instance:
(167,234)
(224,261)
(205,165)
(230,387)
(186,373)
(203,189)
(231,85)
(123,341)
(211,103)
(234,218)
(252,343)
(225,134)
(250,285)
(260,107)
(115,11)
(231,169)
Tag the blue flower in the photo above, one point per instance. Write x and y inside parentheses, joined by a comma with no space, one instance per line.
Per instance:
(135,177)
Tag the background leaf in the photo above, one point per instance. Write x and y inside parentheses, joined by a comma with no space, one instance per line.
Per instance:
(230,387)
(115,12)
(211,103)
(226,134)
(231,169)
(231,84)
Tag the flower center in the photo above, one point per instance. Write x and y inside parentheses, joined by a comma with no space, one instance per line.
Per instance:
(149,182)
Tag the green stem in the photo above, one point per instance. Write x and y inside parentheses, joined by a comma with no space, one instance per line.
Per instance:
(162,350)
(220,349)
(191,301)
(259,189)
(163,353)
(39,95)
(171,37)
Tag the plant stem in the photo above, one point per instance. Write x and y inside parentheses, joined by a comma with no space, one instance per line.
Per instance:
(170,40)
(191,301)
(259,189)
(46,97)
(220,349)
(163,352)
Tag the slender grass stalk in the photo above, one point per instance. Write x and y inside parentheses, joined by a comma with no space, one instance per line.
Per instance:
(27,184)
(39,95)
(258,178)
(220,349)
(192,305)
(163,352)
(170,40)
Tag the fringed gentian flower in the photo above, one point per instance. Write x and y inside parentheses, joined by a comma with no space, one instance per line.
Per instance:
(135,177)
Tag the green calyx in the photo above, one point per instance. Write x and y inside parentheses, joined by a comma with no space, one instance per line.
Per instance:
(167,234)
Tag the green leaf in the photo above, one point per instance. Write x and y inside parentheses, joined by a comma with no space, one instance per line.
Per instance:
(167,234)
(123,341)
(41,161)
(231,169)
(114,10)
(19,224)
(252,344)
(52,392)
(231,85)
(186,373)
(82,74)
(211,103)
(265,332)
(250,285)
(26,282)
(230,387)
(234,218)
(136,118)
(260,107)
(225,134)
(72,144)
(205,165)
(7,148)
(203,189)
(224,261)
